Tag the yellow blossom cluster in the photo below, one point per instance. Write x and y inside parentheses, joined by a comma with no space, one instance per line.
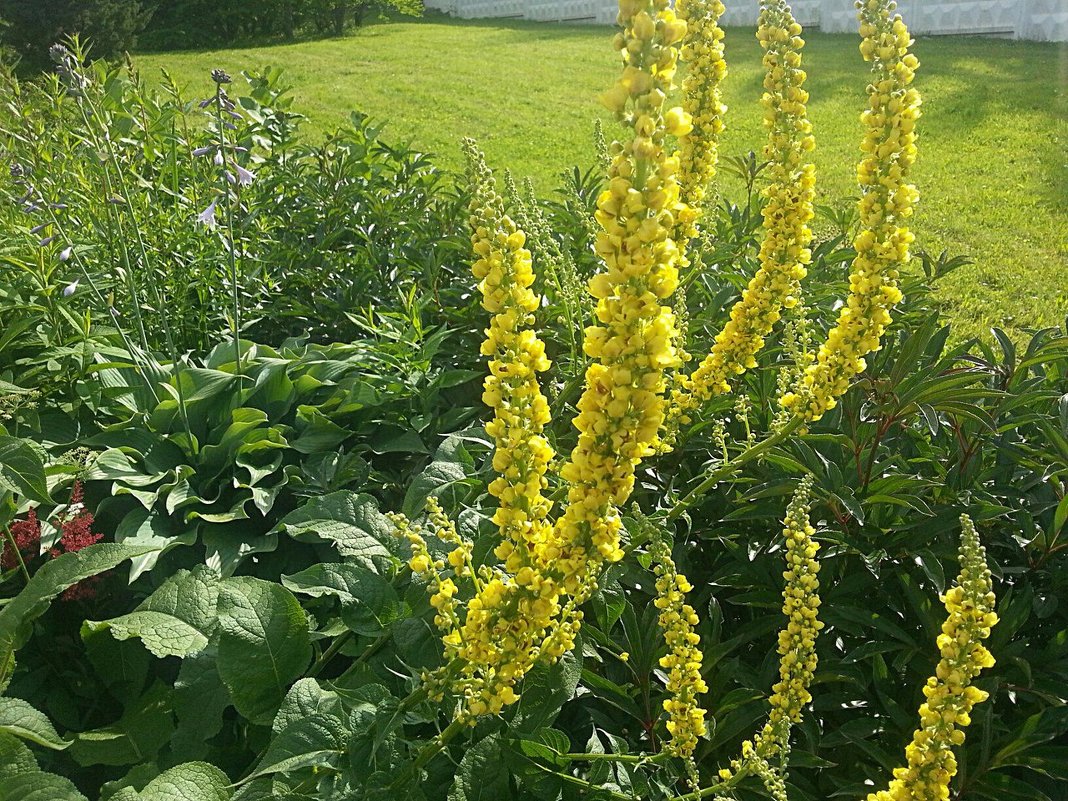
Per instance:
(886,202)
(788,209)
(517,355)
(686,718)
(950,693)
(621,408)
(423,564)
(702,52)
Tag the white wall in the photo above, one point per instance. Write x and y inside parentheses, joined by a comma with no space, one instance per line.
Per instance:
(1042,20)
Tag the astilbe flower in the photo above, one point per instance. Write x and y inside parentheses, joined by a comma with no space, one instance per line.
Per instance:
(27,536)
(621,408)
(677,619)
(950,694)
(76,533)
(788,209)
(702,52)
(886,202)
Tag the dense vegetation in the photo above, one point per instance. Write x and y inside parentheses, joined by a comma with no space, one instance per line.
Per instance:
(232,354)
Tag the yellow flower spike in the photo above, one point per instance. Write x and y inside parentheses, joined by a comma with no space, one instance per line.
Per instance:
(702,50)
(517,355)
(789,196)
(950,695)
(886,202)
(686,718)
(622,408)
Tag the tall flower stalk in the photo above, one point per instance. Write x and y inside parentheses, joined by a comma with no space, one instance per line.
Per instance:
(886,203)
(788,209)
(950,694)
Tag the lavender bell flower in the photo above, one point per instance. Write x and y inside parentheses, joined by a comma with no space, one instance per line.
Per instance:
(207,217)
(47,241)
(245,177)
(218,158)
(66,253)
(70,288)
(203,151)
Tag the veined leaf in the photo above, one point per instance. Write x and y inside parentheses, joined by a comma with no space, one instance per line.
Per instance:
(263,646)
(176,620)
(17,717)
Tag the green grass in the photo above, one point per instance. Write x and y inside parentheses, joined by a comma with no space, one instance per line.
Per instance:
(993,169)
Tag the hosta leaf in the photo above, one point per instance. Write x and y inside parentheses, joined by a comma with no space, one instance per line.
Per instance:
(150,529)
(350,520)
(263,646)
(176,620)
(17,717)
(193,781)
(49,581)
(39,786)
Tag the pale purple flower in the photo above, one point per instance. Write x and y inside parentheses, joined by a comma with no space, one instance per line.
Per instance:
(218,158)
(245,177)
(38,228)
(207,217)
(47,241)
(66,253)
(70,288)
(203,151)
(230,179)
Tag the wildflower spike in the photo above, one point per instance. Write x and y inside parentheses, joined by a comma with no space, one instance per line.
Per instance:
(950,694)
(886,202)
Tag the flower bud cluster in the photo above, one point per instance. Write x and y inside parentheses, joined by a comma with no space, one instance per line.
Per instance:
(950,693)
(686,718)
(702,51)
(788,209)
(632,342)
(886,202)
(520,411)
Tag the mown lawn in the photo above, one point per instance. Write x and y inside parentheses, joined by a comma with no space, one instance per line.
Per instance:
(993,172)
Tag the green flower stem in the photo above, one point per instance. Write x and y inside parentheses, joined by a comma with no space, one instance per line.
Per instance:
(748,455)
(18,554)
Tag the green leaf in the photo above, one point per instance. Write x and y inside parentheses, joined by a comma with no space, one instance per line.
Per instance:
(263,646)
(176,620)
(22,470)
(200,700)
(160,533)
(482,774)
(193,781)
(438,476)
(545,690)
(136,737)
(49,581)
(15,757)
(369,602)
(350,520)
(17,717)
(39,786)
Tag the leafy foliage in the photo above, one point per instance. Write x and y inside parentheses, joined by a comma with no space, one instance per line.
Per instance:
(270,641)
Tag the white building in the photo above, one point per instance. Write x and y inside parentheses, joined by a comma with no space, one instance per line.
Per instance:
(1040,20)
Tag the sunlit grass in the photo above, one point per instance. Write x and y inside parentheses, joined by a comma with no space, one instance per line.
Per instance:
(993,170)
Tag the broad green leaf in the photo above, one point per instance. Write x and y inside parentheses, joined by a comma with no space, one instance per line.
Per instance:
(22,470)
(49,581)
(193,781)
(369,602)
(136,737)
(482,774)
(200,700)
(350,520)
(438,476)
(263,646)
(160,533)
(545,690)
(39,786)
(15,757)
(17,717)
(176,620)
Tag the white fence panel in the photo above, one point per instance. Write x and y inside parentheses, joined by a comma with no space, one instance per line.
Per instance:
(1044,20)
